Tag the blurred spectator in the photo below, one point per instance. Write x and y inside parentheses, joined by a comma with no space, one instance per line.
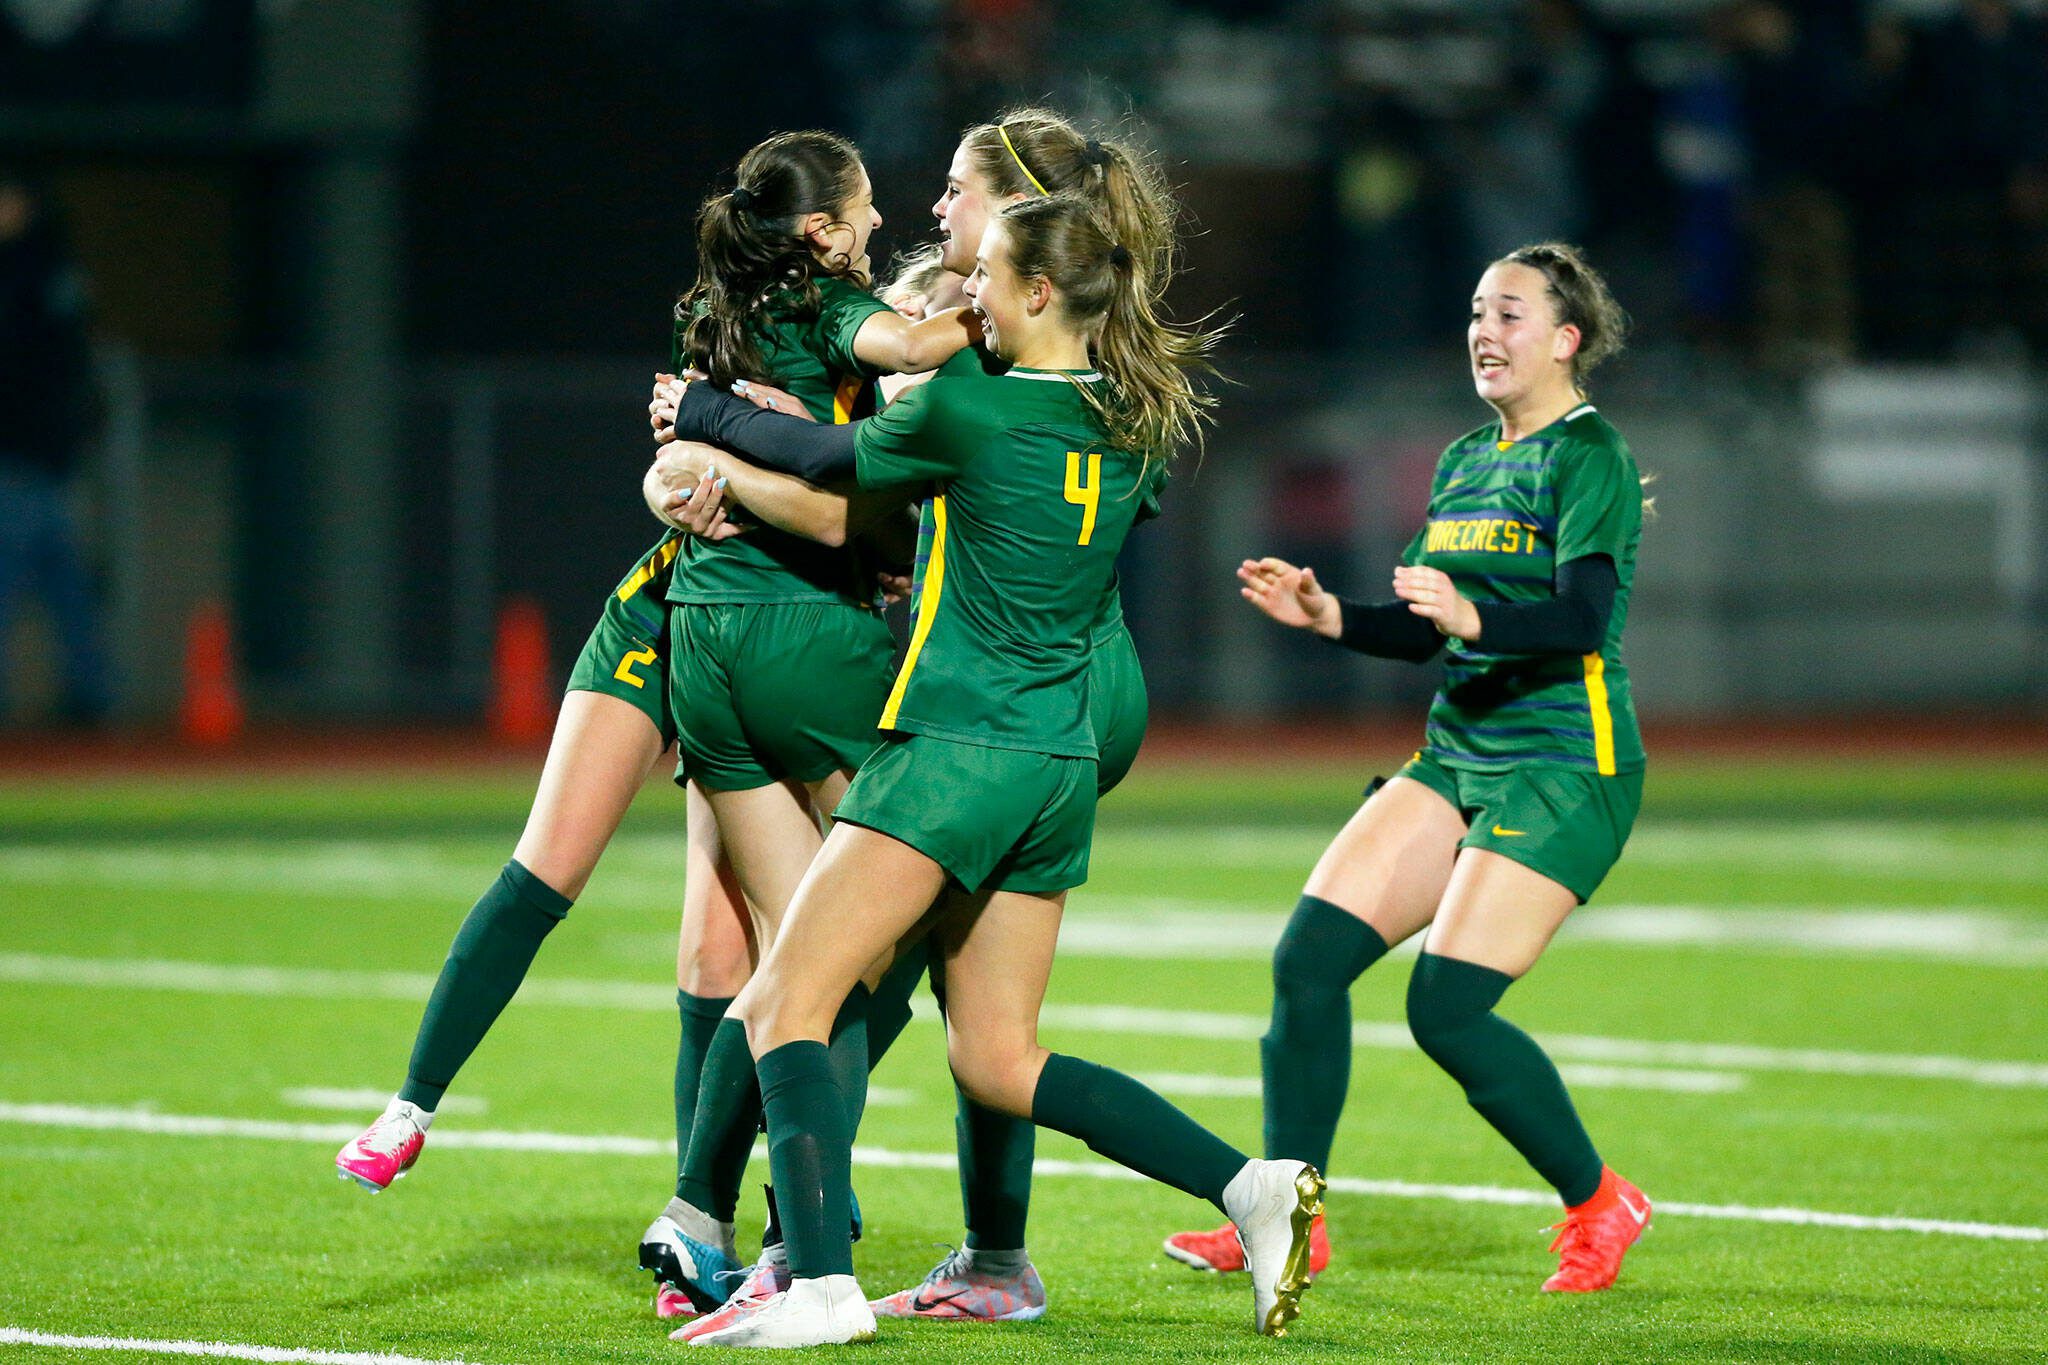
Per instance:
(1990,66)
(47,408)
(1522,180)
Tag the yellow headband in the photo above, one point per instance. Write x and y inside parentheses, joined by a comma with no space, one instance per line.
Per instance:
(1004,134)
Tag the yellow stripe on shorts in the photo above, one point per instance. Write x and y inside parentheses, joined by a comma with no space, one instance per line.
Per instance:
(1603,714)
(843,399)
(927,608)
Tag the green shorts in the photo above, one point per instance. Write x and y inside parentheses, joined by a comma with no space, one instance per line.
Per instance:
(1568,825)
(764,692)
(994,819)
(626,655)
(1117,707)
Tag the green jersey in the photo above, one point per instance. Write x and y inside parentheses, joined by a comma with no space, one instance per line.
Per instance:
(1016,552)
(1502,516)
(812,358)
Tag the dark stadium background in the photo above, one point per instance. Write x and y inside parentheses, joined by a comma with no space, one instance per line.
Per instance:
(379,286)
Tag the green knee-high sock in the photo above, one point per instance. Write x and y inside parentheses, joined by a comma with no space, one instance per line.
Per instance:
(1133,1126)
(722,1129)
(485,965)
(810,1154)
(889,1010)
(996,1151)
(849,1052)
(1305,1057)
(700,1018)
(1506,1076)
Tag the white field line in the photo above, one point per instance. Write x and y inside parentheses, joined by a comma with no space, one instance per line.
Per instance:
(364,1098)
(328,984)
(200,1126)
(220,1350)
(1581,1075)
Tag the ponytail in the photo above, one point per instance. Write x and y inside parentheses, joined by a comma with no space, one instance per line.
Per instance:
(750,254)
(1036,152)
(1152,404)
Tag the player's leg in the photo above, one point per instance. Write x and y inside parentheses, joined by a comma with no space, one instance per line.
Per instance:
(997,964)
(1378,882)
(714,955)
(598,759)
(864,892)
(1549,849)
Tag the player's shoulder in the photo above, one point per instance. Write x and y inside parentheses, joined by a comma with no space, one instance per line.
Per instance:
(1479,440)
(1586,436)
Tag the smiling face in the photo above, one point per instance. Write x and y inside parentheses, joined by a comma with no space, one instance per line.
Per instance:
(845,236)
(964,211)
(1006,303)
(1518,352)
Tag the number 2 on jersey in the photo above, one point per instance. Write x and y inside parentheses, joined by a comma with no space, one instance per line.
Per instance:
(624,672)
(1084,494)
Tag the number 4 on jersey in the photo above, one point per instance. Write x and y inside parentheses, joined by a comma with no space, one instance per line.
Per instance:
(1084,494)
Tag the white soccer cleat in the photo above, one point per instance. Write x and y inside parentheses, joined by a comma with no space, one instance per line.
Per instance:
(1274,1204)
(385,1150)
(827,1311)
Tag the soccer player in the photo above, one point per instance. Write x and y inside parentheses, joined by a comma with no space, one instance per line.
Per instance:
(987,779)
(991,1277)
(801,212)
(1531,767)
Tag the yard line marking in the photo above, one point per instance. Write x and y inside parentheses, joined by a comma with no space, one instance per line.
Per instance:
(104,1119)
(16,1336)
(323,983)
(1584,1074)
(1573,1047)
(334,1097)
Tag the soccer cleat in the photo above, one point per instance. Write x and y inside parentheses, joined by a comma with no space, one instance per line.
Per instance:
(763,1282)
(826,1311)
(1219,1250)
(1594,1237)
(1274,1204)
(691,1251)
(384,1151)
(956,1291)
(671,1302)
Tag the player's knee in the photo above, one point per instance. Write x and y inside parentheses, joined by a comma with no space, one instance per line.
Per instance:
(1317,952)
(1446,998)
(996,1074)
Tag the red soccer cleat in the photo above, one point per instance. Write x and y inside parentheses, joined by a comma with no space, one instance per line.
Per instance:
(384,1151)
(671,1302)
(1219,1249)
(1595,1235)
(764,1281)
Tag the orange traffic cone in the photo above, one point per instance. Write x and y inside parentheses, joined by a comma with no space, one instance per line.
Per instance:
(522,702)
(211,709)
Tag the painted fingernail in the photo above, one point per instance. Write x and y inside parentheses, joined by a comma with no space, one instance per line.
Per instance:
(719,484)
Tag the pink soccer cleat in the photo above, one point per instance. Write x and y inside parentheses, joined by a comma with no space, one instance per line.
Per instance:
(957,1291)
(671,1302)
(764,1281)
(385,1150)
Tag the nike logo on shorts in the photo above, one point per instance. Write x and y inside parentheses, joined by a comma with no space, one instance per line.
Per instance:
(1500,833)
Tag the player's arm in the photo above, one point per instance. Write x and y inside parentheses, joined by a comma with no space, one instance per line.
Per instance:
(890,341)
(828,516)
(812,451)
(1293,597)
(1573,620)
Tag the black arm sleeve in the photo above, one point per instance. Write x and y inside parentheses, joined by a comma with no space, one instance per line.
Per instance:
(1572,622)
(1388,630)
(813,451)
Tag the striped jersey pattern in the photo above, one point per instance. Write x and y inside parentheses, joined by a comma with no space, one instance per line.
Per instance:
(1502,516)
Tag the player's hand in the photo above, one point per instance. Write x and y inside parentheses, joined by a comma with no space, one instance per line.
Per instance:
(700,510)
(1290,596)
(895,586)
(1431,595)
(661,411)
(769,397)
(911,307)
(682,464)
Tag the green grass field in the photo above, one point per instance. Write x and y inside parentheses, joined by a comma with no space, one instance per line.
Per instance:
(1815,989)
